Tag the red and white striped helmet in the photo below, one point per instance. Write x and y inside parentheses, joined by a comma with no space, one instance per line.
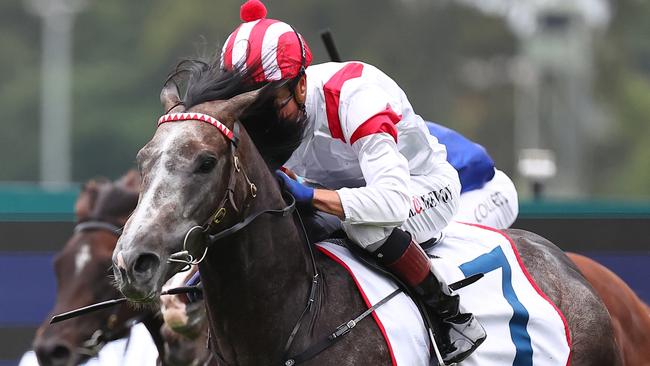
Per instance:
(273,47)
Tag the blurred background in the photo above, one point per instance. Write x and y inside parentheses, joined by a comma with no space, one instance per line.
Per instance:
(557,91)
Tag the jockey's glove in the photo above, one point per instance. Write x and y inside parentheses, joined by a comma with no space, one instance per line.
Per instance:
(194,296)
(302,193)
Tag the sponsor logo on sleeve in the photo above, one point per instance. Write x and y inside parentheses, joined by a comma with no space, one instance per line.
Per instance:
(430,200)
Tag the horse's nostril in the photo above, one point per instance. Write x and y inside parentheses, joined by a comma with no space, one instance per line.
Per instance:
(146,262)
(61,353)
(53,354)
(122,273)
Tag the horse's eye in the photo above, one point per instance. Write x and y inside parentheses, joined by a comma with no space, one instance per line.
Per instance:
(206,165)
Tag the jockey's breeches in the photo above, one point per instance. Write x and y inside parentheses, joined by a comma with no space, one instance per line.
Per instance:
(434,202)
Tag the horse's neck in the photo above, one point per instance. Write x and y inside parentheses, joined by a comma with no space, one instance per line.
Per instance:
(256,286)
(256,281)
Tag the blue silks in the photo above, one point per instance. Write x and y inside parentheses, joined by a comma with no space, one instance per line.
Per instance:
(475,167)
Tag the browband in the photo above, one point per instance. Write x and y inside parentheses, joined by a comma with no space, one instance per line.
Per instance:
(178,117)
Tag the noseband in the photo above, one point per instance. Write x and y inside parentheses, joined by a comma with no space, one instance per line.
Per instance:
(184,256)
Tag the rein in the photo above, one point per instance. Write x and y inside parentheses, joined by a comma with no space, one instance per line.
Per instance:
(184,257)
(100,337)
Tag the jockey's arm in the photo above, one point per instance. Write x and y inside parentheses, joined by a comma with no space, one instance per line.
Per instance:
(384,200)
(368,124)
(328,201)
(369,213)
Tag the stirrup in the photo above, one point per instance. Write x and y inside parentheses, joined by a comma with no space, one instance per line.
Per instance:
(463,338)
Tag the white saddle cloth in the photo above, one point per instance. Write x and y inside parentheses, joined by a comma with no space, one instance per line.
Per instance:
(524,327)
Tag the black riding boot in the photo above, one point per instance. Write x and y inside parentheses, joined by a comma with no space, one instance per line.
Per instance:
(410,263)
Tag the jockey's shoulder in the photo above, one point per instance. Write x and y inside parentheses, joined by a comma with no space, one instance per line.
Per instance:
(367,71)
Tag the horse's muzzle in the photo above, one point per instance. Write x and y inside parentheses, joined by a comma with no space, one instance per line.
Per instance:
(137,274)
(53,352)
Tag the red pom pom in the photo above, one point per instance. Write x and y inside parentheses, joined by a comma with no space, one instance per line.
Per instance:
(252,10)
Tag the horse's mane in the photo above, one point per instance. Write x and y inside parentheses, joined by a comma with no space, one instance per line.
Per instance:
(275,138)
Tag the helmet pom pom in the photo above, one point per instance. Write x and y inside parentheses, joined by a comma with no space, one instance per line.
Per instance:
(252,10)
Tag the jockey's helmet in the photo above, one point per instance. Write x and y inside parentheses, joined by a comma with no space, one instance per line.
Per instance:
(268,49)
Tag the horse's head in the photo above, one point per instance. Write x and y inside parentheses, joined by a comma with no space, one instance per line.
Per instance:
(82,274)
(191,174)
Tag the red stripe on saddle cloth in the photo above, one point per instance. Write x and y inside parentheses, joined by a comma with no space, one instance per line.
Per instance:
(365,300)
(532,283)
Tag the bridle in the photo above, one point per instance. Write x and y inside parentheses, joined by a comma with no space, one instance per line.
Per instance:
(101,336)
(97,224)
(207,230)
(209,238)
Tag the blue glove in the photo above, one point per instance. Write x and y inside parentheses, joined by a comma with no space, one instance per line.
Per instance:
(300,192)
(194,296)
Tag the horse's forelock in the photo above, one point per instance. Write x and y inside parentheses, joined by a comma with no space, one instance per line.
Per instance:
(205,82)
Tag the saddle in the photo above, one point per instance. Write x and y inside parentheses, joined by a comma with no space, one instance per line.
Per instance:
(438,330)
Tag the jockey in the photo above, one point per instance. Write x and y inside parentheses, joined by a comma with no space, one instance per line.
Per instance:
(487,195)
(386,177)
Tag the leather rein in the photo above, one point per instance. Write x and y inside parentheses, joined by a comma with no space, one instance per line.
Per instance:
(185,257)
(209,238)
(207,230)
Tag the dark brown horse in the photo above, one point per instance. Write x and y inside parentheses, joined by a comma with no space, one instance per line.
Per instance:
(258,278)
(630,315)
(83,277)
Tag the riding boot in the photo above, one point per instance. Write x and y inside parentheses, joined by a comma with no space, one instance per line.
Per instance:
(406,259)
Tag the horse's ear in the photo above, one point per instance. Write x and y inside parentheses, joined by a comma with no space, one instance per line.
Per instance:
(130,181)
(86,200)
(236,105)
(170,99)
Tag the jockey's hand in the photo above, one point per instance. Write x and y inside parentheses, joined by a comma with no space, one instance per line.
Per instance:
(290,173)
(195,280)
(300,192)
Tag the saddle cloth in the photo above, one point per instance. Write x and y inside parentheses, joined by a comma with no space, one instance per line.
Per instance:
(524,328)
